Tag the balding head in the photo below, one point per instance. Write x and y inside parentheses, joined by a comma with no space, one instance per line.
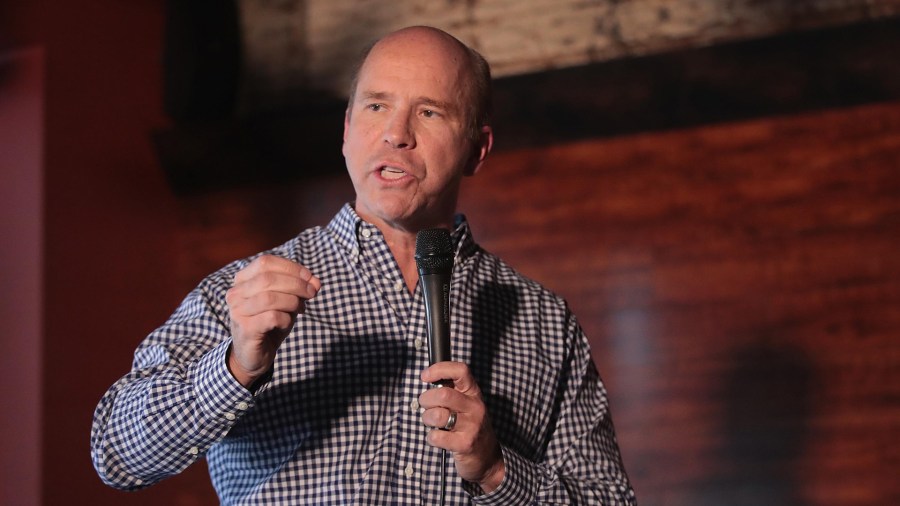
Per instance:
(476,73)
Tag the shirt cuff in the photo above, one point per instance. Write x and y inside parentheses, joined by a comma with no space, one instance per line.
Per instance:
(220,396)
(519,485)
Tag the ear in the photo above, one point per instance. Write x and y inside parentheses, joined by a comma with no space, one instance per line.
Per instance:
(346,132)
(346,122)
(482,150)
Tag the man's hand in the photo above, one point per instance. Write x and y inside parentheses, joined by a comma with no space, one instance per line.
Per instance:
(472,440)
(264,303)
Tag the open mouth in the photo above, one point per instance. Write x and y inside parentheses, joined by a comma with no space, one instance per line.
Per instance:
(392,173)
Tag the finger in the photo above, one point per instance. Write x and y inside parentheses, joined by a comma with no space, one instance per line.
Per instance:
(267,301)
(266,329)
(444,439)
(438,417)
(457,441)
(274,320)
(275,264)
(277,282)
(242,299)
(448,398)
(457,372)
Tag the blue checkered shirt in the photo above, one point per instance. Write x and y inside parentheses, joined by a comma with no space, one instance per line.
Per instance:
(337,422)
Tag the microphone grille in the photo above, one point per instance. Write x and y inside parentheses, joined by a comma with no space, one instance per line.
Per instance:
(434,249)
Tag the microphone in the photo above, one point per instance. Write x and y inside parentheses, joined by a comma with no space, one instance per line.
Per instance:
(434,260)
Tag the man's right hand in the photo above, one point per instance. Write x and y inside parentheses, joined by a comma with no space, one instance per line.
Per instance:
(264,303)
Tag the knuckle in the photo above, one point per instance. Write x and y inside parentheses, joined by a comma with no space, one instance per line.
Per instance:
(443,395)
(269,320)
(267,279)
(285,320)
(268,299)
(264,261)
(243,272)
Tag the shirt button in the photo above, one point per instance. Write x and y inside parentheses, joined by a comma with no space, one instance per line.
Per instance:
(242,406)
(418,343)
(366,233)
(414,405)
(399,285)
(229,416)
(194,450)
(409,471)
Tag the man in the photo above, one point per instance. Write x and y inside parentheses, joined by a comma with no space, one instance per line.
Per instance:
(301,373)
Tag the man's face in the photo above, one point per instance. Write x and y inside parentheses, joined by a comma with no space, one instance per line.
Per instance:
(405,137)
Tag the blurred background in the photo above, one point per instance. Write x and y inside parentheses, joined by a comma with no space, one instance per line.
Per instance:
(714,186)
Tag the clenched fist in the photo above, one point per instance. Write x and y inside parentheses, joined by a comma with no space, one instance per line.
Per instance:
(264,303)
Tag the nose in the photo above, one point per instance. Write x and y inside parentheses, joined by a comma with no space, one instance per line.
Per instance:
(398,131)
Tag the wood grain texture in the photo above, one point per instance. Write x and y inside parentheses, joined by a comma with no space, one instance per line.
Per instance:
(312,42)
(741,285)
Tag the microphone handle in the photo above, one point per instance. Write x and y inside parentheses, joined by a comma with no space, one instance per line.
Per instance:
(436,288)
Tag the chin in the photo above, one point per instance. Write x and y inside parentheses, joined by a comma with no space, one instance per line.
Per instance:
(389,212)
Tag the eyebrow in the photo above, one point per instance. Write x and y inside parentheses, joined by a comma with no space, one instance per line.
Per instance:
(440,104)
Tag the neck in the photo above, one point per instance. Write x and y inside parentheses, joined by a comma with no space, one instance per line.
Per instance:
(403,246)
(402,242)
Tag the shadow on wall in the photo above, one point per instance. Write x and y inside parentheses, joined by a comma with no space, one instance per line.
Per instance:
(766,427)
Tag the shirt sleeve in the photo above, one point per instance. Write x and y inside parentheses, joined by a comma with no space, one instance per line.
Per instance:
(582,464)
(178,399)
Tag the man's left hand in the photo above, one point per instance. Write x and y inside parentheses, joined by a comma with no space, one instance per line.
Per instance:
(472,440)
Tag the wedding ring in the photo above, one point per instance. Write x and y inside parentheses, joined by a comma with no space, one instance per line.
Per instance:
(451,422)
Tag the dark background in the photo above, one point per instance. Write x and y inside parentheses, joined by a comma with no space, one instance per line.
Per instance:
(728,237)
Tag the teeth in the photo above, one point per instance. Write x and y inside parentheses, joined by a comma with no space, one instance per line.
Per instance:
(392,173)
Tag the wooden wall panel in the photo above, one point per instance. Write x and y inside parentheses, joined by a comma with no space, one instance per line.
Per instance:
(741,284)
(291,46)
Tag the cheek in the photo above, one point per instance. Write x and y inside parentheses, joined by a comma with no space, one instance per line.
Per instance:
(452,157)
(353,147)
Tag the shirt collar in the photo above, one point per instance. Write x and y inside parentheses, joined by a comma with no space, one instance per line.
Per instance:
(347,225)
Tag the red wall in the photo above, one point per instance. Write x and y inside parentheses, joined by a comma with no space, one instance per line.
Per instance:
(739,282)
(110,227)
(21,251)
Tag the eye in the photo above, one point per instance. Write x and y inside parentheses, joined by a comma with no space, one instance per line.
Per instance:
(428,113)
(375,107)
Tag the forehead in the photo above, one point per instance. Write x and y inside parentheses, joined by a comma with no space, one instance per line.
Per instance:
(416,63)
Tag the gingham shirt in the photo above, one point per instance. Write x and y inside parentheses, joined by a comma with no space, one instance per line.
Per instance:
(337,422)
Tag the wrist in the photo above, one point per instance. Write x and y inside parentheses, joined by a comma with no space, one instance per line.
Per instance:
(494,477)
(247,379)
